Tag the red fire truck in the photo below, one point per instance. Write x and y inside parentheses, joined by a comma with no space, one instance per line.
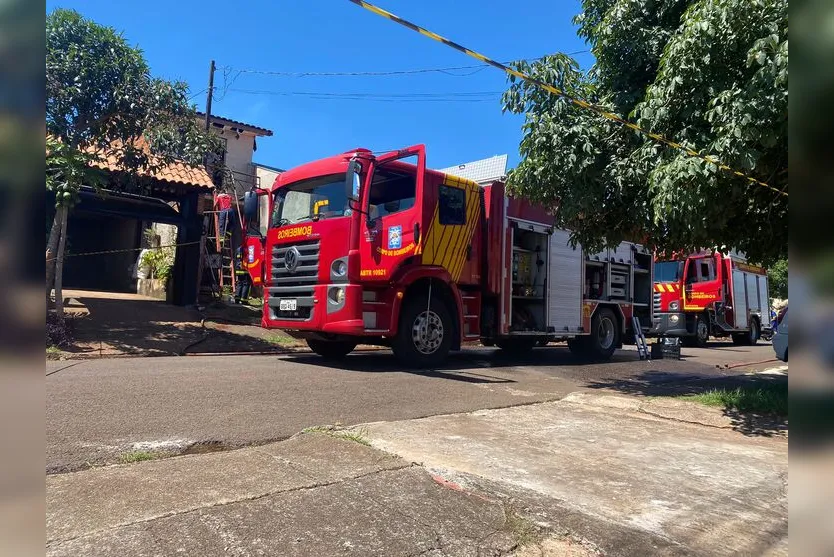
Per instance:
(710,294)
(377,250)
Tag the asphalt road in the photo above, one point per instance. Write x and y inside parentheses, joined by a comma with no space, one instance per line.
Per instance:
(99,409)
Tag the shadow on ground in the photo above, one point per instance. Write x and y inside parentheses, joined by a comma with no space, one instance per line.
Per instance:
(137,326)
(655,383)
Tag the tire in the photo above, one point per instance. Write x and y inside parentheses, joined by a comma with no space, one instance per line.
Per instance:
(605,335)
(418,347)
(701,332)
(751,337)
(516,345)
(331,349)
(578,346)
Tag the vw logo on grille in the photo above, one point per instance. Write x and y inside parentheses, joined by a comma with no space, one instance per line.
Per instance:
(291,259)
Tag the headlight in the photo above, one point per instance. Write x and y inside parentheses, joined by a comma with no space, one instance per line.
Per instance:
(674,306)
(339,268)
(673,319)
(337,295)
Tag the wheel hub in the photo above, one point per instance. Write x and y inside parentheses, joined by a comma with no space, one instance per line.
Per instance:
(427,332)
(605,333)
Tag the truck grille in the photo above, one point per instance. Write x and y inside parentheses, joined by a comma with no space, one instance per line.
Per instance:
(297,284)
(656,302)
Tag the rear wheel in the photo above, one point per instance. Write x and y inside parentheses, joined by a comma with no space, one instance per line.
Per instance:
(605,335)
(578,346)
(751,337)
(331,349)
(518,345)
(424,336)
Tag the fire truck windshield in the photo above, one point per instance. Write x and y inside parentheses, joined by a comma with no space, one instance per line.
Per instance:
(668,271)
(311,199)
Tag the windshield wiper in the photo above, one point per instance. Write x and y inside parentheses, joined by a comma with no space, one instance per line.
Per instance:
(314,217)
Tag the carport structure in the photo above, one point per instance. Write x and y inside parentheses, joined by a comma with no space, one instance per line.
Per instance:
(112,219)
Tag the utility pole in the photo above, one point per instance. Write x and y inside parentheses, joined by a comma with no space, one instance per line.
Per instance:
(209,94)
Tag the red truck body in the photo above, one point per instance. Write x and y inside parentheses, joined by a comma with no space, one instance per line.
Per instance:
(372,249)
(710,294)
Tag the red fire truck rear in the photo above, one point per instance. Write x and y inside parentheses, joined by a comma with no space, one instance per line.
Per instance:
(710,294)
(376,250)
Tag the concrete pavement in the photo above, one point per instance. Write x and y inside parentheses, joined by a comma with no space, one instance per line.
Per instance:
(100,409)
(664,484)
(588,475)
(311,495)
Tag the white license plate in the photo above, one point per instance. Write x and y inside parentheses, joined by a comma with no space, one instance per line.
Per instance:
(288,305)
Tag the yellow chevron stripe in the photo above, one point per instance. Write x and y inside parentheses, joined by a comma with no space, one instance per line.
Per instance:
(471,220)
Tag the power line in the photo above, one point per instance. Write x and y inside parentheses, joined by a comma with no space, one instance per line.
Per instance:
(558,92)
(379,73)
(462,96)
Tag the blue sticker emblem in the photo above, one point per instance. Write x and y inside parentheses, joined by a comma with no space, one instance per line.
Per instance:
(251,254)
(395,237)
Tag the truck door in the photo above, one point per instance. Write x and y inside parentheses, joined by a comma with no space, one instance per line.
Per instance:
(702,286)
(393,201)
(256,209)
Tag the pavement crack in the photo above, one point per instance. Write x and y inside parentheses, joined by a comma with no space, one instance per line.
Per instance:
(145,520)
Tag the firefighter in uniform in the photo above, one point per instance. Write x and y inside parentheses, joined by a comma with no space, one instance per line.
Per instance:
(242,278)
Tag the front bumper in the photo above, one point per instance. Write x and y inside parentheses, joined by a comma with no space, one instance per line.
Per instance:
(318,313)
(669,324)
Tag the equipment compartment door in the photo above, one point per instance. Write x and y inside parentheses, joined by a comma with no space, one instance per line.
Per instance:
(564,284)
(739,299)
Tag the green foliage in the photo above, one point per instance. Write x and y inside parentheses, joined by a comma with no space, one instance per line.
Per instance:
(160,260)
(777,276)
(101,100)
(710,74)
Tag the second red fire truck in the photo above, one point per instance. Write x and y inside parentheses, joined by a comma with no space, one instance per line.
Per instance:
(710,294)
(376,250)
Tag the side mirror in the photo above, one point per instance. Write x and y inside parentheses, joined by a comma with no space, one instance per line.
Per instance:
(250,205)
(352,181)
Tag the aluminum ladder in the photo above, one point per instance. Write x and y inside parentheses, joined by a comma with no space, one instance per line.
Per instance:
(640,339)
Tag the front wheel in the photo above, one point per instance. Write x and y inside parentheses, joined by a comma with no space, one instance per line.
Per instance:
(605,335)
(424,336)
(701,331)
(331,349)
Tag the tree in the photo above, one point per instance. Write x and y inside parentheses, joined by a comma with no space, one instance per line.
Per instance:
(709,74)
(777,276)
(103,104)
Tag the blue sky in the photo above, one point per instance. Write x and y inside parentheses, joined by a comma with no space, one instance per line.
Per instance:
(180,38)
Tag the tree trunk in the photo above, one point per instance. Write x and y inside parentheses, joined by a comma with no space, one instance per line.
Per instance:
(59,267)
(52,249)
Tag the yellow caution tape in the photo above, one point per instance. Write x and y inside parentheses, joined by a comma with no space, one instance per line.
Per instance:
(556,91)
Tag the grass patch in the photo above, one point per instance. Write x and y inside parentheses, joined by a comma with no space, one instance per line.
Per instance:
(765,399)
(523,530)
(53,350)
(357,436)
(139,456)
(280,340)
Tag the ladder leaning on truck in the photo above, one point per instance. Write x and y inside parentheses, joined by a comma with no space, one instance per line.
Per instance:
(376,250)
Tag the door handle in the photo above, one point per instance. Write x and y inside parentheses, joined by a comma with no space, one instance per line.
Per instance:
(416,233)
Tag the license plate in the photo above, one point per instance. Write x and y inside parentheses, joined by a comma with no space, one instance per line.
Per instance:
(287,305)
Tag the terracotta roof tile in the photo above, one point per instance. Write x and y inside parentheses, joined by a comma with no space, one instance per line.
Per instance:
(177,172)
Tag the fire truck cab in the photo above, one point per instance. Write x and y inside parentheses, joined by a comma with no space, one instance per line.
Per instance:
(377,250)
(710,294)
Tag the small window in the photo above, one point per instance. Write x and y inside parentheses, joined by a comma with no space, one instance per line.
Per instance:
(452,205)
(707,272)
(392,191)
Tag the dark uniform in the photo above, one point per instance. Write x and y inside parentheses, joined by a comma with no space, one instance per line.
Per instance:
(242,278)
